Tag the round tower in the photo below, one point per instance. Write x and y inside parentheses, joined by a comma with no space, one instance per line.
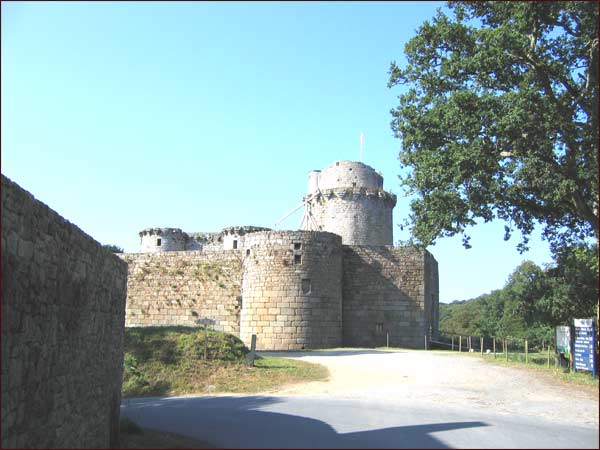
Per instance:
(155,240)
(292,290)
(233,237)
(347,198)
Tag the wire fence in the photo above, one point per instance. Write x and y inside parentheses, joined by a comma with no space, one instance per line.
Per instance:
(528,351)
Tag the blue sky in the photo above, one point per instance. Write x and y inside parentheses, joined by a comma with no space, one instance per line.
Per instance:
(123,116)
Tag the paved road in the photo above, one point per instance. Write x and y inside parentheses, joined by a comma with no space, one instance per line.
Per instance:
(351,411)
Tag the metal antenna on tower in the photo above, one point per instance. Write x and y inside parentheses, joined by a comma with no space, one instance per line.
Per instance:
(362,145)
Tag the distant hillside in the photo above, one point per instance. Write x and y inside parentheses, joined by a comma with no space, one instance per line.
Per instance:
(533,301)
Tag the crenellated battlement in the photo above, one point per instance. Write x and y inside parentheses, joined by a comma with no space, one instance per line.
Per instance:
(161,232)
(357,193)
(242,230)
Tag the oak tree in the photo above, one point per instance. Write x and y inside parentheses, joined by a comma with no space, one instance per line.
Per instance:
(500,120)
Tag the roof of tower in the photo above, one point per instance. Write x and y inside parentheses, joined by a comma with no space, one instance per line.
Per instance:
(345,173)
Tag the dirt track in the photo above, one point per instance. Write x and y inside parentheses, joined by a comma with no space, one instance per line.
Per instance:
(452,379)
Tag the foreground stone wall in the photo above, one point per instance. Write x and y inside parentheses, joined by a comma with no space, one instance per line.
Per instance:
(176,288)
(292,297)
(63,312)
(384,290)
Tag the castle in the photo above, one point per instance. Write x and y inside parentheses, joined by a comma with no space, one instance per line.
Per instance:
(337,282)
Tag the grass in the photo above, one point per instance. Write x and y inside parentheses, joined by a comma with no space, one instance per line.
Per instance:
(133,436)
(164,361)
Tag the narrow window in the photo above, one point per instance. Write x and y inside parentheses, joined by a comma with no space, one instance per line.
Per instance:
(297,259)
(235,243)
(158,242)
(305,286)
(297,245)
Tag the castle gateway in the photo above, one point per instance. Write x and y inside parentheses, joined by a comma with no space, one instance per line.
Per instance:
(337,282)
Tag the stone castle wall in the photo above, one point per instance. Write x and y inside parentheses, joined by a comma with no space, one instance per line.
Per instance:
(287,287)
(162,240)
(360,216)
(292,297)
(293,289)
(347,198)
(432,293)
(176,288)
(384,290)
(63,313)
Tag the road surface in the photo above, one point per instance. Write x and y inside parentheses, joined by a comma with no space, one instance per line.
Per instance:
(384,399)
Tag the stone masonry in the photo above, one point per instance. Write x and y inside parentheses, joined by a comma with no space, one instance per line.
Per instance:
(337,282)
(347,198)
(386,296)
(176,288)
(292,296)
(63,314)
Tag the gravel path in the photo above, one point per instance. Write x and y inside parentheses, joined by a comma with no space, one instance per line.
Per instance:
(454,380)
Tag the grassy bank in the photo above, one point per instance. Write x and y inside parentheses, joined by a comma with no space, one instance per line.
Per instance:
(133,436)
(162,361)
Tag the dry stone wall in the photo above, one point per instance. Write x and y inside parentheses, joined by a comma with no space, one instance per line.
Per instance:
(63,312)
(384,290)
(292,296)
(176,288)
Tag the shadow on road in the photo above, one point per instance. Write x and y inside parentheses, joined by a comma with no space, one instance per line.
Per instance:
(242,422)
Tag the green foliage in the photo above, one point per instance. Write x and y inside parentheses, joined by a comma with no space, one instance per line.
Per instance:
(500,120)
(533,301)
(160,359)
(113,248)
(170,361)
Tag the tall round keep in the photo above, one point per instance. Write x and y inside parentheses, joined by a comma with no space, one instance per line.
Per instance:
(350,201)
(156,240)
(292,290)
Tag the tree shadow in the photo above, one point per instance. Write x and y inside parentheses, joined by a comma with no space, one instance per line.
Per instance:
(242,422)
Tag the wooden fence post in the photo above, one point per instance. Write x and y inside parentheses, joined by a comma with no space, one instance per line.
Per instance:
(526,352)
(481,344)
(548,365)
(459,343)
(205,342)
(250,356)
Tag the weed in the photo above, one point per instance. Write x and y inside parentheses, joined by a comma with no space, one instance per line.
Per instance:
(170,361)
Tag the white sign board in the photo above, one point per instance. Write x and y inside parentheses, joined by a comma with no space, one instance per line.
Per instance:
(563,338)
